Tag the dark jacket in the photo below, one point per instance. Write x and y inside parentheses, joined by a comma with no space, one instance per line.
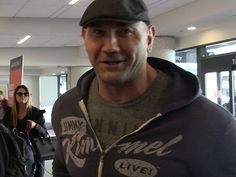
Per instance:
(190,137)
(4,155)
(36,115)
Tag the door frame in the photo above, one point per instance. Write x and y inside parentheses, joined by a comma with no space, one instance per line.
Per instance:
(218,63)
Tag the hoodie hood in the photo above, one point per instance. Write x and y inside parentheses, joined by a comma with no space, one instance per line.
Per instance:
(185,87)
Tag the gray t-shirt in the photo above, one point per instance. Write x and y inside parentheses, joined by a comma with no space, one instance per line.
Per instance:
(111,121)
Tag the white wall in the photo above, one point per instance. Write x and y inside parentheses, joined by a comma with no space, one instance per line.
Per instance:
(51,56)
(164,47)
(220,33)
(32,82)
(76,72)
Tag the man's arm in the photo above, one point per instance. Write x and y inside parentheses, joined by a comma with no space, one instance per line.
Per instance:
(227,152)
(58,165)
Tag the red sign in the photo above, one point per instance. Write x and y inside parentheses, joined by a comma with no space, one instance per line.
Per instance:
(16,76)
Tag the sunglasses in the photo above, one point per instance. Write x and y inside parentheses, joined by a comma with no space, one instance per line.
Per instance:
(21,93)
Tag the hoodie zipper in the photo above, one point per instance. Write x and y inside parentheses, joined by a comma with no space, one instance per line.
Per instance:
(84,110)
(101,161)
(100,167)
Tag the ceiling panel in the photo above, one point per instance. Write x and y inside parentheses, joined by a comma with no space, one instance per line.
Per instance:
(41,8)
(75,11)
(40,11)
(157,7)
(8,8)
(55,23)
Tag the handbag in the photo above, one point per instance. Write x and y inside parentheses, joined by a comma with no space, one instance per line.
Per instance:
(44,147)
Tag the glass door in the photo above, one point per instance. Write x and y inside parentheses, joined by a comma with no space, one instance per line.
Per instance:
(218,80)
(233,100)
(217,88)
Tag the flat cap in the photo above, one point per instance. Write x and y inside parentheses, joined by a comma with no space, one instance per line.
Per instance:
(126,11)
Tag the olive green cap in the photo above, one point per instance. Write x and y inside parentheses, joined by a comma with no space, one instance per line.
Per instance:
(125,11)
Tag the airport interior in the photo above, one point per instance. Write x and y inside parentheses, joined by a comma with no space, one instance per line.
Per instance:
(197,35)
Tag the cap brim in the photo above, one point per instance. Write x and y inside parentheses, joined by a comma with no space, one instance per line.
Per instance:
(108,19)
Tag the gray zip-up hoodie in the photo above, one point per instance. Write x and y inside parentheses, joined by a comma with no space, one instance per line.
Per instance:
(191,137)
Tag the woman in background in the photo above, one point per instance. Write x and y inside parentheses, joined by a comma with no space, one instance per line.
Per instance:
(26,118)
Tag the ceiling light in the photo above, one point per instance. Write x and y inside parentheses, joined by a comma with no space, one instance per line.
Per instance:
(24,39)
(191,28)
(72,2)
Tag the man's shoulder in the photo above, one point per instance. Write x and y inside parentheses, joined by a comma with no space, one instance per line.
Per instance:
(212,111)
(68,96)
(66,100)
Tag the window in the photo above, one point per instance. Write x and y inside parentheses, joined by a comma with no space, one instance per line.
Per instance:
(221,48)
(187,59)
(63,83)
(48,93)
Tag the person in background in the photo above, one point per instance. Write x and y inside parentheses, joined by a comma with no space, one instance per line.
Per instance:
(134,115)
(26,118)
(3,105)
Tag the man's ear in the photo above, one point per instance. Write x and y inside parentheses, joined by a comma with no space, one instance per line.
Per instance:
(151,36)
(82,33)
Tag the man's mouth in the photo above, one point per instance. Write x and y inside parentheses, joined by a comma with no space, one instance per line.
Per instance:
(112,62)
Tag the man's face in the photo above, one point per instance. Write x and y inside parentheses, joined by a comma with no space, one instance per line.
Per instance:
(118,51)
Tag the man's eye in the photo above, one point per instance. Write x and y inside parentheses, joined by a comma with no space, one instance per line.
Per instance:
(125,32)
(97,32)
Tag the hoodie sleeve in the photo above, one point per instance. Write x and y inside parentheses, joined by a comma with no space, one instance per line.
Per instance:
(58,166)
(226,151)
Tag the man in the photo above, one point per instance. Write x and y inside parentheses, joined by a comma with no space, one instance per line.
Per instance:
(136,117)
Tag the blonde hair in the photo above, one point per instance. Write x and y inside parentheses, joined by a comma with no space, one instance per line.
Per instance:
(15,107)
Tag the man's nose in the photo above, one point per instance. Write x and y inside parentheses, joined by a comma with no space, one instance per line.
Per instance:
(111,43)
